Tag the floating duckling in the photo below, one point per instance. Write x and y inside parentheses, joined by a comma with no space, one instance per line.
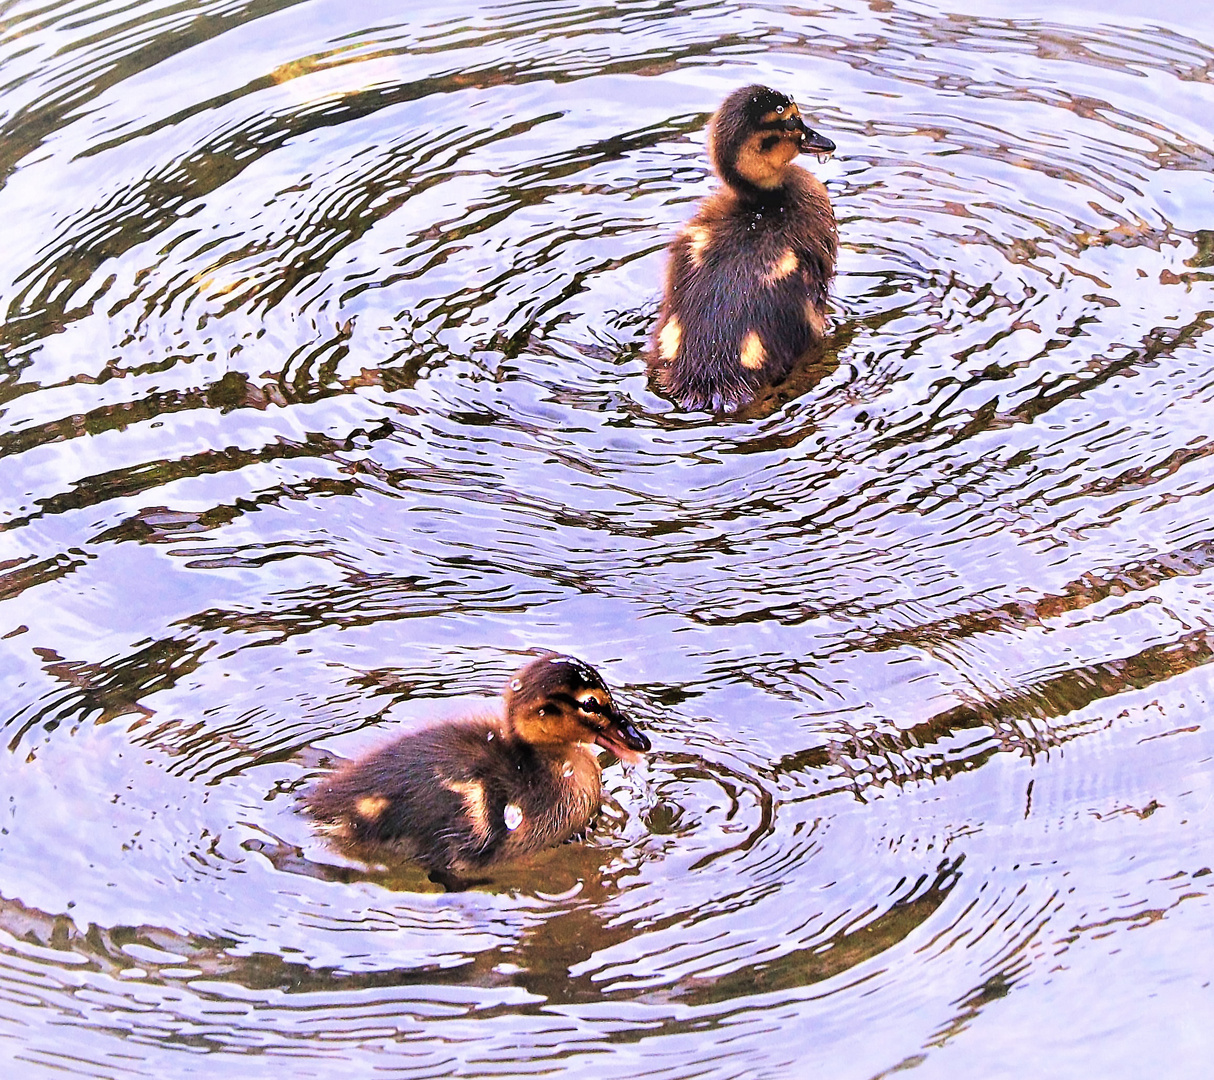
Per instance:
(463,795)
(747,279)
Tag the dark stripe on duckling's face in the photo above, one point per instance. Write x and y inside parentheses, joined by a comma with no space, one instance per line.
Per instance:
(559,701)
(763,159)
(782,122)
(787,124)
(591,716)
(777,138)
(612,729)
(756,133)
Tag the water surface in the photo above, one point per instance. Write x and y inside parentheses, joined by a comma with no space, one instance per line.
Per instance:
(323,401)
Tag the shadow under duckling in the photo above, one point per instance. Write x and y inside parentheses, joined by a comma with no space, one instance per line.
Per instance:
(461,796)
(747,278)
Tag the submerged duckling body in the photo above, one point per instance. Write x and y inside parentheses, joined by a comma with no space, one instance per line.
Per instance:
(466,794)
(747,278)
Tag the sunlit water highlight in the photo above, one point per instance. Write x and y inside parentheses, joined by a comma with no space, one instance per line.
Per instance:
(323,401)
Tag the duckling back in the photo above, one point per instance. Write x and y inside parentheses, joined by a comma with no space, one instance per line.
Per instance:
(748,276)
(458,797)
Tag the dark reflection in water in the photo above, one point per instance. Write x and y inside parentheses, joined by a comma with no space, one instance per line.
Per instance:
(323,401)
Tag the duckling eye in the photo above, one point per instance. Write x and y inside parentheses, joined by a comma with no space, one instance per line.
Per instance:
(779,108)
(591,705)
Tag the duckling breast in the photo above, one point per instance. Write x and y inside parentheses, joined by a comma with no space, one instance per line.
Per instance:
(560,799)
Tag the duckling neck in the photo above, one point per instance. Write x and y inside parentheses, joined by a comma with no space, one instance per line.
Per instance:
(575,764)
(763,202)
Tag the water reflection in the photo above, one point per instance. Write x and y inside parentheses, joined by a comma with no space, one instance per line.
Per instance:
(324,402)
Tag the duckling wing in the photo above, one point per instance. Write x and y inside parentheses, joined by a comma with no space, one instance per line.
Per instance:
(741,308)
(457,797)
(422,796)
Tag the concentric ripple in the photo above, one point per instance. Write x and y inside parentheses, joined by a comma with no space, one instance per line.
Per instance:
(323,403)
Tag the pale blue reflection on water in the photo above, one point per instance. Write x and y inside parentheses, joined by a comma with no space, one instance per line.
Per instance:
(324,400)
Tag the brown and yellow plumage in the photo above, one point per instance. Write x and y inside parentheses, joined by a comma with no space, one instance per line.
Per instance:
(476,791)
(747,278)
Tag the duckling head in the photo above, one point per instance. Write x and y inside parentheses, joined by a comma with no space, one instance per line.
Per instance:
(754,136)
(557,701)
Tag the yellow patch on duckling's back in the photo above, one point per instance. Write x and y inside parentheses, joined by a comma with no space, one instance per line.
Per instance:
(369,807)
(752,354)
(670,338)
(697,244)
(815,318)
(776,115)
(473,794)
(782,267)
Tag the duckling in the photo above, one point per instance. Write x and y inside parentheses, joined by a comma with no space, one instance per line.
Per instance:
(747,277)
(463,795)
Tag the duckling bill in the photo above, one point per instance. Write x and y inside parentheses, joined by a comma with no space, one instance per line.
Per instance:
(747,277)
(464,795)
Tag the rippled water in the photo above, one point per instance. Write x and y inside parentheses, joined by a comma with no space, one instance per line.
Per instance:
(323,401)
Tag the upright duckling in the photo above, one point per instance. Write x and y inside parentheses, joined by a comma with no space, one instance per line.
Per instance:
(747,279)
(465,794)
